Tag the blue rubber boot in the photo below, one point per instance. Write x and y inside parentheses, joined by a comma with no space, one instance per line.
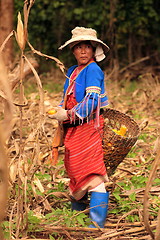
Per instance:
(80,205)
(98,208)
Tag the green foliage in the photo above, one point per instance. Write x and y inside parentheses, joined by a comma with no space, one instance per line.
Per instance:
(117,22)
(157,182)
(52,238)
(131,86)
(61,186)
(66,217)
(136,114)
(32,226)
(61,216)
(136,17)
(50,87)
(130,203)
(138,181)
(143,136)
(44,176)
(5,228)
(33,222)
(128,206)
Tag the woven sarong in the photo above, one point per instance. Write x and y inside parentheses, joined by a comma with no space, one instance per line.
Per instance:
(84,157)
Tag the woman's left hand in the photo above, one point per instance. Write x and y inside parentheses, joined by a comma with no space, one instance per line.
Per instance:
(60,115)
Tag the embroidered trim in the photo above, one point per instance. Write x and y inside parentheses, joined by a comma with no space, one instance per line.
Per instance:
(103,95)
(94,89)
(105,103)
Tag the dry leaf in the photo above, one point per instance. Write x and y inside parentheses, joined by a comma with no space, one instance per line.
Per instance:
(20,32)
(156,145)
(38,183)
(13,172)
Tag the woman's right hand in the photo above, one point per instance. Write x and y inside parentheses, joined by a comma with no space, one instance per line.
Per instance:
(60,114)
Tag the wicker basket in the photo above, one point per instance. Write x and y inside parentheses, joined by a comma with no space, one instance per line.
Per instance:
(115,146)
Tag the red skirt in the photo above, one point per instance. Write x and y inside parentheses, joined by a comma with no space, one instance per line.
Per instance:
(84,157)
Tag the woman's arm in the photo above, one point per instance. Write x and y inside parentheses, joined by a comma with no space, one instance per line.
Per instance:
(91,101)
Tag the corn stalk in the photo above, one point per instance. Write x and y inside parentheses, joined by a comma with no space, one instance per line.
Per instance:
(152,175)
(20,209)
(6,124)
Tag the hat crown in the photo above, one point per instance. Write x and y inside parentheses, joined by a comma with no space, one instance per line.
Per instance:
(81,32)
(87,34)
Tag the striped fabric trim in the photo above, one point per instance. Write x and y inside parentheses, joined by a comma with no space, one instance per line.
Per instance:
(93,89)
(104,104)
(103,95)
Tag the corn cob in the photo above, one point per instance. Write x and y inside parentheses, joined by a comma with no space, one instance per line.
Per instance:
(52,111)
(122,130)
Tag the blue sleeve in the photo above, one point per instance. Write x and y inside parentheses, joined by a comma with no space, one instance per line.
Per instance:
(91,101)
(88,105)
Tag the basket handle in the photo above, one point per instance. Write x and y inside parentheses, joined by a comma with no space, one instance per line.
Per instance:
(143,125)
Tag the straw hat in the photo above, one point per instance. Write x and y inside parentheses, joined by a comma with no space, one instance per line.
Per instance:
(83,34)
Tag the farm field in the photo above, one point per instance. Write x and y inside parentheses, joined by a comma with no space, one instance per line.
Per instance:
(38,203)
(34,199)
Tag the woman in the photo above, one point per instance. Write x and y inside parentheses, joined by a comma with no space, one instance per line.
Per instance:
(81,114)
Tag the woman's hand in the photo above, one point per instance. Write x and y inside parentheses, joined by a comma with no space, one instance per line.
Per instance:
(60,114)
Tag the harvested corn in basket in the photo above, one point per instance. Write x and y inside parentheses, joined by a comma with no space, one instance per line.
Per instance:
(120,134)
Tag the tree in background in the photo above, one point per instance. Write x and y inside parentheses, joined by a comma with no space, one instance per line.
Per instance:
(137,28)
(6,26)
(129,27)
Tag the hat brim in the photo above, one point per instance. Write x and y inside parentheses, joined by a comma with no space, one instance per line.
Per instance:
(84,38)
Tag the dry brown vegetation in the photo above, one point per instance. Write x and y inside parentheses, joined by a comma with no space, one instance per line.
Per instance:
(29,156)
(36,188)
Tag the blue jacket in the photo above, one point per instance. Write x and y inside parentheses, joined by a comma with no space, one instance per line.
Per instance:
(89,90)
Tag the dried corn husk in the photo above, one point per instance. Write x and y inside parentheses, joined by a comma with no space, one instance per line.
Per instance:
(20,32)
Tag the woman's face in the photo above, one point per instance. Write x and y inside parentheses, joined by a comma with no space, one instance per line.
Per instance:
(83,52)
